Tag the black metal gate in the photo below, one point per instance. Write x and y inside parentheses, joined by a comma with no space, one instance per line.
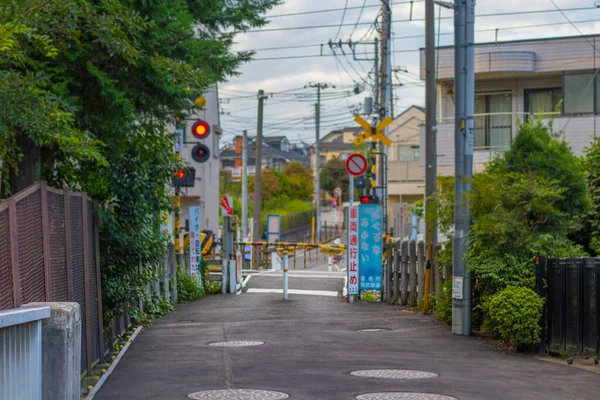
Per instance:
(571,319)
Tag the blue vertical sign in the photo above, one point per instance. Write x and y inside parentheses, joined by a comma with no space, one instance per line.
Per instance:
(370,217)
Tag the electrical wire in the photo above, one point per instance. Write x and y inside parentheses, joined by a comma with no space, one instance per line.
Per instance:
(442,33)
(502,14)
(341,22)
(358,19)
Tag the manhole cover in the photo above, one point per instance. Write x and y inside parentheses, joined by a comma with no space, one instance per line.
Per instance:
(402,396)
(394,374)
(238,394)
(236,343)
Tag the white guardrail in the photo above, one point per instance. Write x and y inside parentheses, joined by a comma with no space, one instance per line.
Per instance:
(21,353)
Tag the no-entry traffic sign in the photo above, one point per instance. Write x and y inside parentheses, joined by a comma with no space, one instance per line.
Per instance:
(356,164)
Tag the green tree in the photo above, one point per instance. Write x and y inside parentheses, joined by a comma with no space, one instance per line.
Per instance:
(297,181)
(333,175)
(88,89)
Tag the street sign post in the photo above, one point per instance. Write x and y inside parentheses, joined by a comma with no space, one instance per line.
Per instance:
(370,246)
(356,164)
(273,228)
(195,251)
(226,205)
(353,260)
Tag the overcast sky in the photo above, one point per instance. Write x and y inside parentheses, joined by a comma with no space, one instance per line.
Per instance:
(292,113)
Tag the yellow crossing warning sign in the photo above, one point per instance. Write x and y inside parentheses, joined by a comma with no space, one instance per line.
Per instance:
(368,133)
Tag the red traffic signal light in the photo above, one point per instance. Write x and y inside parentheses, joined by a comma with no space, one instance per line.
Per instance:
(369,200)
(200,153)
(200,129)
(184,177)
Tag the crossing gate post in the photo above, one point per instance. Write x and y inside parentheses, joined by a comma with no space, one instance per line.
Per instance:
(285,276)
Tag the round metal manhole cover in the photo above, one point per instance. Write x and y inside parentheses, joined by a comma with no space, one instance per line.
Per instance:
(402,396)
(237,343)
(394,374)
(238,394)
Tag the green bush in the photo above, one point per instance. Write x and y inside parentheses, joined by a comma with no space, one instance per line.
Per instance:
(212,287)
(188,287)
(443,308)
(513,314)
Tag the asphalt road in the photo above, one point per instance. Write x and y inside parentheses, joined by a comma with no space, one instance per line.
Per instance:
(312,343)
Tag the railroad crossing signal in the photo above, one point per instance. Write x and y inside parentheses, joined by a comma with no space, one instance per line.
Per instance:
(368,133)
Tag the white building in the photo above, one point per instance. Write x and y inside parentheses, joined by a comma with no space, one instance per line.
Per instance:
(205,192)
(515,80)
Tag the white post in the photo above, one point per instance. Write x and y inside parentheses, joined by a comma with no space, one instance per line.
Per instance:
(285,276)
(330,263)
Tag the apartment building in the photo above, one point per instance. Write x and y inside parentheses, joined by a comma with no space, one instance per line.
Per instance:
(517,80)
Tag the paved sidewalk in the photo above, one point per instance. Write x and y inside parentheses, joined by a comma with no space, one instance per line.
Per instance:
(313,343)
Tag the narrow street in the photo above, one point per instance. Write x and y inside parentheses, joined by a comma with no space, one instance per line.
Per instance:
(313,342)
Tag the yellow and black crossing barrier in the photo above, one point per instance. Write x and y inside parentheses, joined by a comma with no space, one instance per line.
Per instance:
(291,249)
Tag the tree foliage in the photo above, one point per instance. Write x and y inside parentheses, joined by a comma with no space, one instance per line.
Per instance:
(89,88)
(333,175)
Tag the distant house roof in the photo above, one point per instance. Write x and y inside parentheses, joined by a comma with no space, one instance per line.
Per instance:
(268,151)
(274,140)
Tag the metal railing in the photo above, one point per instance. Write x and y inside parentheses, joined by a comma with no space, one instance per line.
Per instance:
(21,353)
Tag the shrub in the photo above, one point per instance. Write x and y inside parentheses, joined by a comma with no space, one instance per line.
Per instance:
(513,314)
(443,308)
(188,287)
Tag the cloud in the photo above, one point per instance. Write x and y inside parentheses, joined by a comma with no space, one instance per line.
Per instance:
(285,74)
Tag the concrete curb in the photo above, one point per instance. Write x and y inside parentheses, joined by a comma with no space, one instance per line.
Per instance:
(114,364)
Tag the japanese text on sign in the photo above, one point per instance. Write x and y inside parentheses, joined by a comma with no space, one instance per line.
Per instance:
(195,241)
(353,255)
(370,243)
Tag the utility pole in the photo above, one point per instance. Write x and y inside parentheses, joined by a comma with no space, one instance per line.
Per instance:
(257,172)
(244,184)
(464,77)
(430,125)
(319,86)
(385,93)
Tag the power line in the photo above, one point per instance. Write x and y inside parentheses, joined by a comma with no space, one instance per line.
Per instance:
(341,22)
(444,33)
(502,14)
(337,9)
(360,15)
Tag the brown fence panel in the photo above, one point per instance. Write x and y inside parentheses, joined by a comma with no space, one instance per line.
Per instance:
(93,281)
(78,267)
(6,287)
(31,250)
(58,246)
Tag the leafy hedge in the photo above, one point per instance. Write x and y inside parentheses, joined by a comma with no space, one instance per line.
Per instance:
(513,314)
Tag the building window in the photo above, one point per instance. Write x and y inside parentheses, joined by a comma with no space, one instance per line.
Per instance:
(542,101)
(408,153)
(579,93)
(493,120)
(345,156)
(322,160)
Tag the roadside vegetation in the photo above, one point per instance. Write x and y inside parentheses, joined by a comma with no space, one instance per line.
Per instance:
(284,192)
(537,198)
(89,89)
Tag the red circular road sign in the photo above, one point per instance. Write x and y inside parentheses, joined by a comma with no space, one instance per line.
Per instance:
(356,164)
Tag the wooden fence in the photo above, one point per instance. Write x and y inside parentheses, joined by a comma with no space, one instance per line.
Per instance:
(404,273)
